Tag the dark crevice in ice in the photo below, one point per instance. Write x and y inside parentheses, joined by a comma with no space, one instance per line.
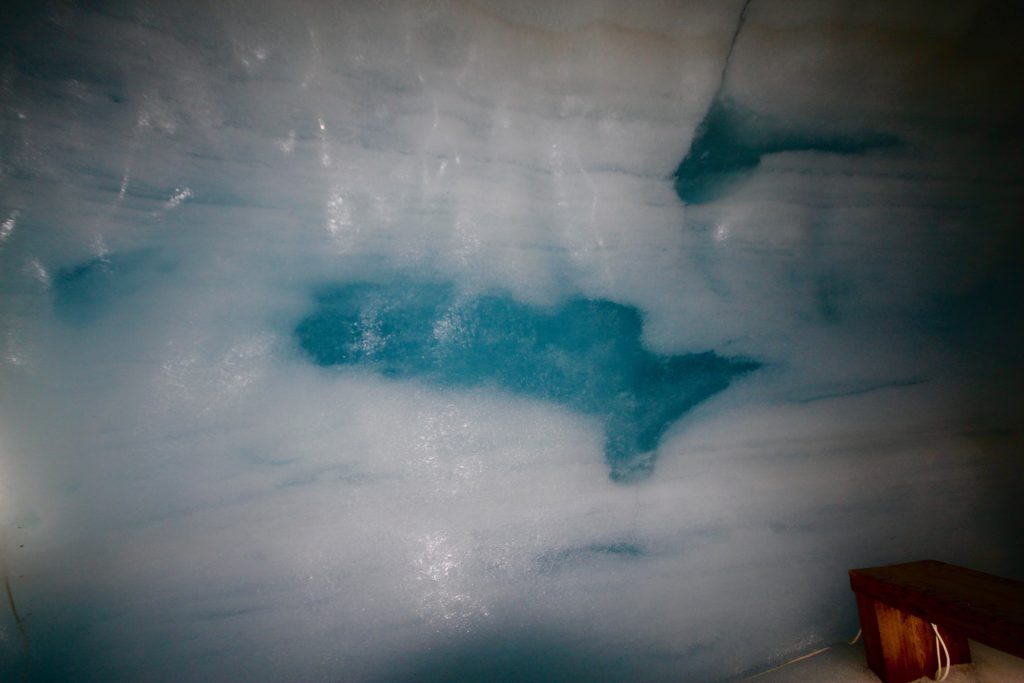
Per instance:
(731,141)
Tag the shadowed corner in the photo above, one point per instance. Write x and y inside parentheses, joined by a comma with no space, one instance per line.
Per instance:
(18,17)
(19,658)
(522,654)
(731,141)
(63,646)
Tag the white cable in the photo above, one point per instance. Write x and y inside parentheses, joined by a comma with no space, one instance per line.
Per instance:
(940,647)
(792,661)
(801,658)
(938,654)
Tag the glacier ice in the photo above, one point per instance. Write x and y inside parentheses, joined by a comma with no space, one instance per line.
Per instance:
(323,324)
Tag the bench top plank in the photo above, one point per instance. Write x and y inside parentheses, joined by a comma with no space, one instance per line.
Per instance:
(986,608)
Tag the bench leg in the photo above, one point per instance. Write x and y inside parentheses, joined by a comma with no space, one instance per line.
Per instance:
(901,647)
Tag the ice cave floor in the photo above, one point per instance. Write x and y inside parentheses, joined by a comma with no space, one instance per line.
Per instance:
(844,663)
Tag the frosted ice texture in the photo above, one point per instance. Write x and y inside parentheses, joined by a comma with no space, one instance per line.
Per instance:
(323,326)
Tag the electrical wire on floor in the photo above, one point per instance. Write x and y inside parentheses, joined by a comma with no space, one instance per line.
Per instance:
(940,647)
(940,650)
(803,657)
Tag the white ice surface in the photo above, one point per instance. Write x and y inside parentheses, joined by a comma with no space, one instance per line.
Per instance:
(184,496)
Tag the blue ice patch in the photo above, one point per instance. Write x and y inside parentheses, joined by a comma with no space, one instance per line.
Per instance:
(586,354)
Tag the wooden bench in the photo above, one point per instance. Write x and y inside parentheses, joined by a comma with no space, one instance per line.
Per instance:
(897,605)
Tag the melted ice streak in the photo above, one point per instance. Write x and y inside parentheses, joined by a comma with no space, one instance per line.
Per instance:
(178,197)
(7,227)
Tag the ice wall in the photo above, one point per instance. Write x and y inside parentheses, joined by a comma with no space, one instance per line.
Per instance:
(494,340)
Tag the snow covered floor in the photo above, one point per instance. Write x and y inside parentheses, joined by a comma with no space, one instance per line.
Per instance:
(844,663)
